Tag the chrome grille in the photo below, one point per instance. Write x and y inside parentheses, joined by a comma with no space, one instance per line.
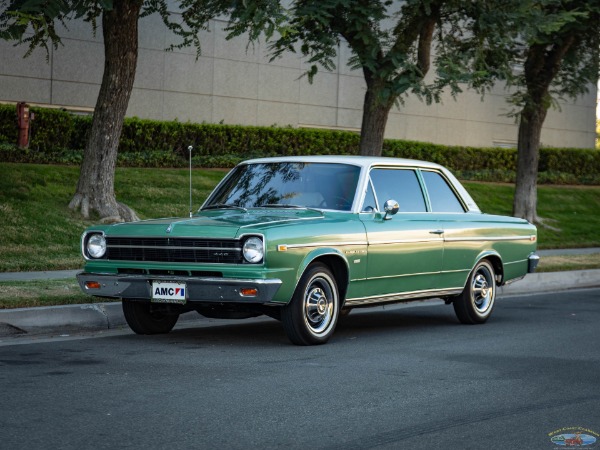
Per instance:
(155,249)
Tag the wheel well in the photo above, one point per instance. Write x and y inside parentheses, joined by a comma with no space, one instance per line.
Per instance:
(340,272)
(496,263)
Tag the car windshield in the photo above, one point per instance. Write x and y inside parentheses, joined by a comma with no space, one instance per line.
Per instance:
(288,185)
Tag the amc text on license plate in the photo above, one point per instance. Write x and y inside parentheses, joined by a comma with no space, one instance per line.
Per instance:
(168,292)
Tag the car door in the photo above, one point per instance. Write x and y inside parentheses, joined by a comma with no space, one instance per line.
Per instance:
(462,242)
(405,250)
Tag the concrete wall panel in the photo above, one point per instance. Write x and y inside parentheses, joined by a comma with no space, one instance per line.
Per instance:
(150,69)
(185,74)
(235,79)
(152,33)
(68,93)
(237,111)
(146,104)
(349,118)
(234,49)
(22,89)
(279,114)
(79,61)
(352,92)
(279,84)
(322,92)
(13,62)
(319,116)
(187,107)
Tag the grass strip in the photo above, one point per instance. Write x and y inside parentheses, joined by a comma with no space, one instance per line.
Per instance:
(25,294)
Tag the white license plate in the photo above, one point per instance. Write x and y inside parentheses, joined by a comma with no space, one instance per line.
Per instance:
(163,292)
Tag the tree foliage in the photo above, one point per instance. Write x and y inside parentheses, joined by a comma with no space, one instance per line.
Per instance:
(35,22)
(394,44)
(555,46)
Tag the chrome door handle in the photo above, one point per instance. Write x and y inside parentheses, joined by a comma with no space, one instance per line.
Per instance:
(437,232)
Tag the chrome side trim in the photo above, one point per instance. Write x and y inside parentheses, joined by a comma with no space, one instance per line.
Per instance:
(326,244)
(412,241)
(408,241)
(488,239)
(405,275)
(402,296)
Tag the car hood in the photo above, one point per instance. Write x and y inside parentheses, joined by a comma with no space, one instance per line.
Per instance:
(224,224)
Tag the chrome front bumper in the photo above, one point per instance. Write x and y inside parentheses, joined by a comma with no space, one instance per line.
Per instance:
(197,289)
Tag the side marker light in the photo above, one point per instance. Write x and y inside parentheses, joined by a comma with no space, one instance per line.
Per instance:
(249,292)
(92,285)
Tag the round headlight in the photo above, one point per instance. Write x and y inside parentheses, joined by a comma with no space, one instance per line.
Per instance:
(96,246)
(253,250)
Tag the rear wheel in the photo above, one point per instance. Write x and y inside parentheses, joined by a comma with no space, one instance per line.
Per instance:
(143,319)
(476,302)
(311,316)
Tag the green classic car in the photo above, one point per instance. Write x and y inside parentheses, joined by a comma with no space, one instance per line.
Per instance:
(306,239)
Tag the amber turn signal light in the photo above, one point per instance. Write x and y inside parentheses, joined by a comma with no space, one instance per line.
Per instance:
(92,285)
(249,292)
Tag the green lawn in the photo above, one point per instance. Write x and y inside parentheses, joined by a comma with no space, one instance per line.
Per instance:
(39,232)
(571,213)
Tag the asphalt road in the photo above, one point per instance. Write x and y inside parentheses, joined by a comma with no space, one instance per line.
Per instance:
(409,378)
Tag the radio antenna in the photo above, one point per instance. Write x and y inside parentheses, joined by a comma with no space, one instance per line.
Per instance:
(190,148)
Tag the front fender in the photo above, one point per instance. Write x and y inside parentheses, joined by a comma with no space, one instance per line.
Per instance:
(316,254)
(319,253)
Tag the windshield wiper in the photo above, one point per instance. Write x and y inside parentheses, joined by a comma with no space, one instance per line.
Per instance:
(287,206)
(224,206)
(281,205)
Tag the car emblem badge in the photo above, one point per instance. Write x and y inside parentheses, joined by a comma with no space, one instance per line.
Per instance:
(169,228)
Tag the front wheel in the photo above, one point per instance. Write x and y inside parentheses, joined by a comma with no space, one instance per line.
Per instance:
(142,319)
(310,318)
(476,302)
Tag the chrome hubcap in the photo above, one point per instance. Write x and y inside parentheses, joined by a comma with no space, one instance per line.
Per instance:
(319,305)
(482,290)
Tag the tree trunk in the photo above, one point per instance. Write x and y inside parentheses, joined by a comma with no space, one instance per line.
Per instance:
(95,189)
(530,130)
(375,116)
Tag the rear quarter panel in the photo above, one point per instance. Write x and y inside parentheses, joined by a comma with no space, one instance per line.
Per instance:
(470,237)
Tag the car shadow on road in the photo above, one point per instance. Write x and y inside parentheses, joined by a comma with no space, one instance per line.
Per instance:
(264,331)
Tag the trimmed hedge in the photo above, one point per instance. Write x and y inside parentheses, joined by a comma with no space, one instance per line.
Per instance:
(52,129)
(59,137)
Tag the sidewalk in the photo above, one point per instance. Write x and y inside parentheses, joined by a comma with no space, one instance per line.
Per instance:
(104,316)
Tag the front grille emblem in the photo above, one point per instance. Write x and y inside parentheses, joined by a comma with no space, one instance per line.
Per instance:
(169,228)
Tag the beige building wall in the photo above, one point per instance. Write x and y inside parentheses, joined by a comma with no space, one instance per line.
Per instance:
(230,83)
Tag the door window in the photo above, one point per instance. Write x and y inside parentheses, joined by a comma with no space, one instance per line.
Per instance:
(441,196)
(398,184)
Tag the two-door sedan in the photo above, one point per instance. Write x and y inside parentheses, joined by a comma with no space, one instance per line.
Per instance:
(305,239)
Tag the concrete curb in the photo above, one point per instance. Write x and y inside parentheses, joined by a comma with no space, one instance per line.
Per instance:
(105,316)
(553,281)
(92,316)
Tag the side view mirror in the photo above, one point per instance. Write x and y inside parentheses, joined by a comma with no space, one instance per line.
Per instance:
(390,207)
